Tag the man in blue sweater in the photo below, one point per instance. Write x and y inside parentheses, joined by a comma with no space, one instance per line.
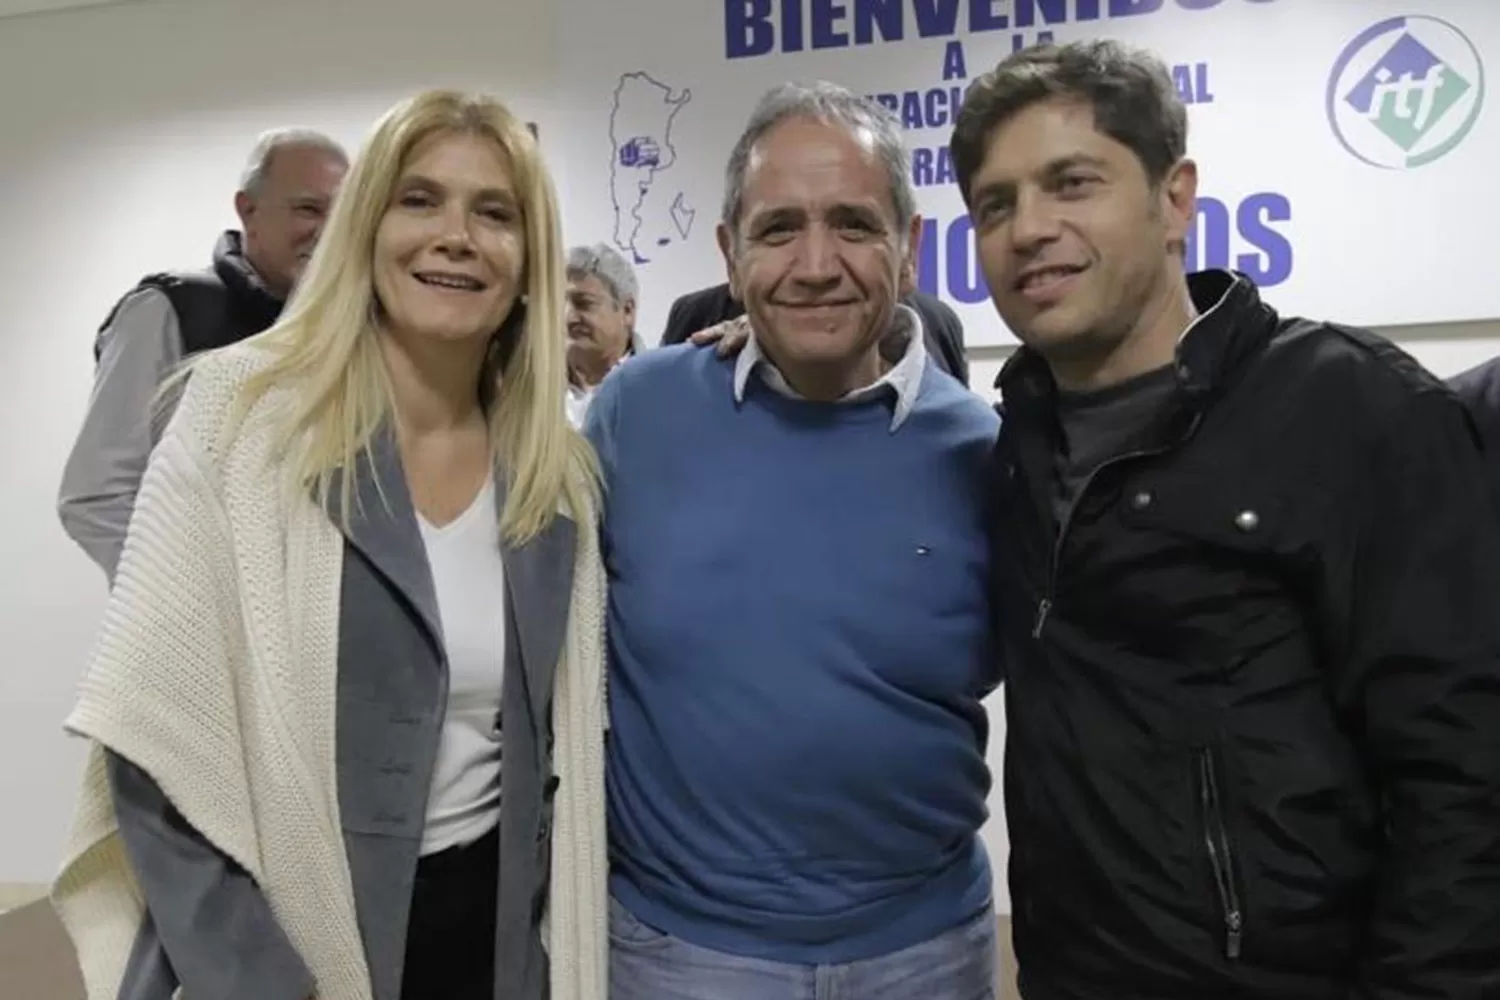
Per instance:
(799,624)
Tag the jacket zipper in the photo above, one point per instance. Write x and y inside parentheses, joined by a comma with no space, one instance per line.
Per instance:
(1219,856)
(1044,605)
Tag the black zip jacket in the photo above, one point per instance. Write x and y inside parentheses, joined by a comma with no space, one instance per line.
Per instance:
(1254,679)
(1479,388)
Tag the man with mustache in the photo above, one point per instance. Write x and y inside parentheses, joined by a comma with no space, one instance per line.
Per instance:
(1249,585)
(799,626)
(283,200)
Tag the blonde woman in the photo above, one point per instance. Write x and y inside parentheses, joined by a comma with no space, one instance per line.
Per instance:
(363,559)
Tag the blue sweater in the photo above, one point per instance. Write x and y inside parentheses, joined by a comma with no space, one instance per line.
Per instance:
(799,640)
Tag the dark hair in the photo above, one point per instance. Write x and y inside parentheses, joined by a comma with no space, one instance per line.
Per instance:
(1132,94)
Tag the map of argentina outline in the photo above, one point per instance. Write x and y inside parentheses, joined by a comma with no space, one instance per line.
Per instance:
(641,149)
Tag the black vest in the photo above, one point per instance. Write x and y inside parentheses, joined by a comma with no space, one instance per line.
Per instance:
(215,308)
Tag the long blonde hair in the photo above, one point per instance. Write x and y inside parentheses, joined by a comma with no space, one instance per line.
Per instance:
(325,342)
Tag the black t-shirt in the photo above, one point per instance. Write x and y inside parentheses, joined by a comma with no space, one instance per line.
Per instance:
(1099,425)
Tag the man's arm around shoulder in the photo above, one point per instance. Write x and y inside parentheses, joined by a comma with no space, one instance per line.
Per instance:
(1421,678)
(139,348)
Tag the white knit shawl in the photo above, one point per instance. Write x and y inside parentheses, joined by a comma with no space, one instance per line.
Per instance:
(215,672)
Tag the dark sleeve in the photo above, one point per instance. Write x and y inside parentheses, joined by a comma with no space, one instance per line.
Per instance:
(945,335)
(1479,389)
(698,311)
(958,355)
(678,322)
(209,918)
(1421,683)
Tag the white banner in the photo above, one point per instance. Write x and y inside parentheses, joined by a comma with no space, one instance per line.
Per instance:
(1347,152)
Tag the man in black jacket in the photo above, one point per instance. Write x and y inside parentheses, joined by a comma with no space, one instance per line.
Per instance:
(1249,591)
(707,307)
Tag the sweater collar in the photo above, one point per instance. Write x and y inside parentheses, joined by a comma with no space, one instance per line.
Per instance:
(905,343)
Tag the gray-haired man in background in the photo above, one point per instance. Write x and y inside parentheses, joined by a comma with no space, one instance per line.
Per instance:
(602,297)
(283,199)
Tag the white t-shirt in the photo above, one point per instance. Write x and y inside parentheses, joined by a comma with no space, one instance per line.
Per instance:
(467,573)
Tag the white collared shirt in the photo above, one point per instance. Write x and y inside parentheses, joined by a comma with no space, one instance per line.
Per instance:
(905,376)
(579,397)
(577,401)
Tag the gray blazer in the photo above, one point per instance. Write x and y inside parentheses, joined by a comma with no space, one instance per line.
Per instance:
(209,927)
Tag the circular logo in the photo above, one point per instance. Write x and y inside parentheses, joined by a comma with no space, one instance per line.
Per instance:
(1405,92)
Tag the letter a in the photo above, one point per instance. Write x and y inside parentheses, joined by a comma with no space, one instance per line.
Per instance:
(953,62)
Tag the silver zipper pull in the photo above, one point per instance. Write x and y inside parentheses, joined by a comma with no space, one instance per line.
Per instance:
(1042,608)
(1234,924)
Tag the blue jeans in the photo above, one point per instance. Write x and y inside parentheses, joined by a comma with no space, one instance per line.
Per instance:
(645,964)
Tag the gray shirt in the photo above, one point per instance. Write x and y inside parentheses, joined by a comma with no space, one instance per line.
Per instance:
(138,349)
(1100,425)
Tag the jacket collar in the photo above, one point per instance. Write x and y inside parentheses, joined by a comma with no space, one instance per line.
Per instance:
(382,528)
(239,275)
(1233,324)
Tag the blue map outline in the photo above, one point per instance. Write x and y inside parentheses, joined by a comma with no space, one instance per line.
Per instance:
(679,209)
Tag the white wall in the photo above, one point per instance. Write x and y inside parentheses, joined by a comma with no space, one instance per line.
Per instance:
(121,151)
